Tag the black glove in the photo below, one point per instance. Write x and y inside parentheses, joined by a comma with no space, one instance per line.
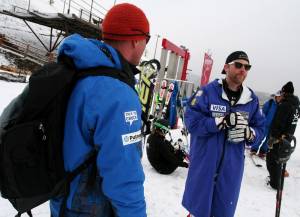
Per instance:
(272,141)
(231,120)
(237,135)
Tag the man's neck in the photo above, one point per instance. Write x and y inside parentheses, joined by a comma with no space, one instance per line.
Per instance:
(232,86)
(233,95)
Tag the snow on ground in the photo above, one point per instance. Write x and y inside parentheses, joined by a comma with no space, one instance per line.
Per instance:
(164,192)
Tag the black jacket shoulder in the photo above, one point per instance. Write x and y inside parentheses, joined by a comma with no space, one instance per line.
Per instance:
(286,117)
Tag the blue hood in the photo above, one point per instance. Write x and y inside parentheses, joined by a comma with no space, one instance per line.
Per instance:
(87,53)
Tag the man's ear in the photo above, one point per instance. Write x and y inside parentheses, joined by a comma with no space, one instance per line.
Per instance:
(226,68)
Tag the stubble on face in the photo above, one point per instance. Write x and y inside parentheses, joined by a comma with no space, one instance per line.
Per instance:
(237,76)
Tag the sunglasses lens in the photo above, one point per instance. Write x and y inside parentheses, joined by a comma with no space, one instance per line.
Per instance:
(247,67)
(238,65)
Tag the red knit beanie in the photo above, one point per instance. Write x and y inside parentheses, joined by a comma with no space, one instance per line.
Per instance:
(125,22)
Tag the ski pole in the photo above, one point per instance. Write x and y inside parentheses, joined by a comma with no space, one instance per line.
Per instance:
(280,190)
(281,180)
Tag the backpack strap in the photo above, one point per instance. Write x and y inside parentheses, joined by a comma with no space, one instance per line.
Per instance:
(126,74)
(109,72)
(71,175)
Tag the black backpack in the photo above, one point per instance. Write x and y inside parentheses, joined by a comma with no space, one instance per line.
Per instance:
(31,135)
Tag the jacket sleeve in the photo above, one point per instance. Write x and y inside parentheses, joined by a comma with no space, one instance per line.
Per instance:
(266,107)
(197,116)
(257,123)
(118,136)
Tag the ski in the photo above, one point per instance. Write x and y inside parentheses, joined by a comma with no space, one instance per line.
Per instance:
(168,97)
(149,70)
(160,97)
(254,162)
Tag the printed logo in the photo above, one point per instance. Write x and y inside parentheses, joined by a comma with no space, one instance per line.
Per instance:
(217,108)
(199,93)
(132,138)
(194,102)
(296,117)
(130,117)
(217,114)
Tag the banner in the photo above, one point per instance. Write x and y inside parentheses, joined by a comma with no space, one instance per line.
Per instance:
(206,69)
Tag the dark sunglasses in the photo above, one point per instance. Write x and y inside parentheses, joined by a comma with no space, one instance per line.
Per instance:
(148,36)
(239,65)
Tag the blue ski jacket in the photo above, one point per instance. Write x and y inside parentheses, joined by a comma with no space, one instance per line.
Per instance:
(269,109)
(216,164)
(102,113)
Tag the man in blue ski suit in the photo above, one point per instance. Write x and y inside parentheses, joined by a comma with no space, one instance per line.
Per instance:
(222,118)
(105,113)
(269,109)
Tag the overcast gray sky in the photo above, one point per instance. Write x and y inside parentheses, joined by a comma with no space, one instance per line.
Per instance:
(268,30)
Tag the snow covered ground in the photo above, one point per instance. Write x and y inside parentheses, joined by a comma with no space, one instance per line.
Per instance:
(164,192)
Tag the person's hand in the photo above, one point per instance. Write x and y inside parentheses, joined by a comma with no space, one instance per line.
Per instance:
(237,135)
(231,120)
(272,141)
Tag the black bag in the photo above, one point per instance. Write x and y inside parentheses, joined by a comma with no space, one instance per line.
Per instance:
(285,149)
(31,135)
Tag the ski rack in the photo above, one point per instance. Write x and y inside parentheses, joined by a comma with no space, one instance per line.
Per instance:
(177,62)
(173,70)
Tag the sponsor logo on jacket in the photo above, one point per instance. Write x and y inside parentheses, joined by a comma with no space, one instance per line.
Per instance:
(296,117)
(217,108)
(130,117)
(132,138)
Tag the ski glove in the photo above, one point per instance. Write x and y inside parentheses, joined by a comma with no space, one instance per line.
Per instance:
(231,120)
(237,135)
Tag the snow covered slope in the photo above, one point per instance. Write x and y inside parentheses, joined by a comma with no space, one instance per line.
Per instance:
(164,192)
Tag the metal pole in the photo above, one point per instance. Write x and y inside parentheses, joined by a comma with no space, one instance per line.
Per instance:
(115,2)
(91,10)
(64,6)
(69,6)
(156,45)
(28,5)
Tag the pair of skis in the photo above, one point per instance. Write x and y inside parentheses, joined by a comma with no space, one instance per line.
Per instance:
(149,71)
(163,100)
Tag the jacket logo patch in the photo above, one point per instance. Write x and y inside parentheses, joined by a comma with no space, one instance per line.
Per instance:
(217,108)
(217,114)
(130,117)
(199,93)
(132,138)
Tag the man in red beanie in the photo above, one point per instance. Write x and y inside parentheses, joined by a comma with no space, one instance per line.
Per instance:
(104,114)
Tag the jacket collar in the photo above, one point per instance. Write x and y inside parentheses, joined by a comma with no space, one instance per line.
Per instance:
(246,95)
